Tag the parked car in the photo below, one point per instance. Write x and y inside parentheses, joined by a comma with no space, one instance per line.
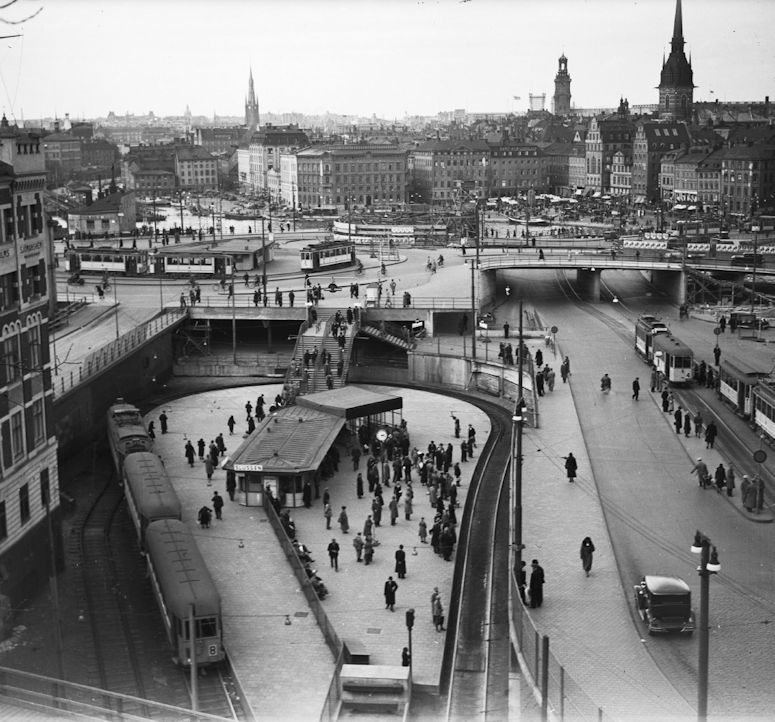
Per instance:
(746,319)
(665,604)
(747,259)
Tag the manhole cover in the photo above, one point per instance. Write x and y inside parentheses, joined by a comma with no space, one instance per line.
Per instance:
(373,630)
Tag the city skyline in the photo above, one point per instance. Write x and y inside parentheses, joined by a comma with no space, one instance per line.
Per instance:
(390,58)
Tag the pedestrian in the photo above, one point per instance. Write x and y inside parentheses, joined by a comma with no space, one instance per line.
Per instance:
(654,379)
(400,562)
(408,507)
(333,554)
(730,479)
(221,444)
(716,354)
(665,400)
(571,466)
(163,422)
(358,546)
(678,417)
(522,581)
(393,507)
(306,494)
(231,484)
(456,421)
(586,552)
(720,477)
(722,323)
(368,550)
(328,513)
(636,388)
(549,377)
(151,432)
(437,610)
(209,470)
(698,424)
(539,382)
(703,477)
(422,531)
(201,449)
(217,501)
(506,329)
(565,369)
(368,526)
(344,522)
(536,585)
(390,594)
(204,516)
(355,453)
(406,658)
(539,359)
(189,452)
(710,434)
(231,423)
(688,423)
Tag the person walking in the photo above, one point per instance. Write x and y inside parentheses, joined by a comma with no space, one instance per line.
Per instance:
(586,552)
(400,562)
(328,513)
(368,550)
(536,585)
(720,477)
(358,546)
(393,506)
(678,420)
(333,554)
(437,610)
(730,479)
(344,522)
(359,485)
(306,494)
(200,445)
(355,453)
(189,452)
(565,369)
(204,516)
(422,530)
(688,423)
(151,431)
(636,388)
(571,466)
(665,400)
(163,422)
(711,432)
(368,526)
(390,594)
(654,379)
(209,470)
(717,354)
(701,469)
(231,484)
(698,424)
(231,423)
(217,501)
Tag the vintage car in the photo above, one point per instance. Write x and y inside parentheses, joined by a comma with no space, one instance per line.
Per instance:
(665,604)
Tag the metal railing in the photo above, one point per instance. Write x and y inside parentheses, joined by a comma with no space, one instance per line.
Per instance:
(113,352)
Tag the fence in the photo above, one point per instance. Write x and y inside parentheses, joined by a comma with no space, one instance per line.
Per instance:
(114,351)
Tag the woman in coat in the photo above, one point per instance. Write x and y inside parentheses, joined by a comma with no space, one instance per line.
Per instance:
(571,466)
(586,552)
(720,477)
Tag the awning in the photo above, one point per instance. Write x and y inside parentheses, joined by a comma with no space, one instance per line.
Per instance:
(640,199)
(351,402)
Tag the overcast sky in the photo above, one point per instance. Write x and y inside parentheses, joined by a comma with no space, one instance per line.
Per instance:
(387,57)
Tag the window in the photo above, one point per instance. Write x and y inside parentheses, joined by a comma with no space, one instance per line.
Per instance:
(3,522)
(11,360)
(38,424)
(17,435)
(45,489)
(24,503)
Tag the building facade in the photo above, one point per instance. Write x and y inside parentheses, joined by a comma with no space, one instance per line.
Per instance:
(748,178)
(651,141)
(621,175)
(516,168)
(266,147)
(606,136)
(196,169)
(109,216)
(443,169)
(29,484)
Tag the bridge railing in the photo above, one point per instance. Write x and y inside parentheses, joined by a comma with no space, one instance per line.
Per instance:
(97,361)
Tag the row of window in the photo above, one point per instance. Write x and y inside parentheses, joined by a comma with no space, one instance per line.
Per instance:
(33,284)
(24,503)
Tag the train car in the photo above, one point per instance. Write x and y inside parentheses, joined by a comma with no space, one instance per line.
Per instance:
(737,381)
(763,409)
(117,261)
(185,592)
(148,491)
(646,328)
(126,432)
(327,254)
(673,358)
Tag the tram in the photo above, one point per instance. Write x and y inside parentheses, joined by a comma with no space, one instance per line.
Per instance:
(126,432)
(327,254)
(673,358)
(737,381)
(118,261)
(763,409)
(188,599)
(646,328)
(149,492)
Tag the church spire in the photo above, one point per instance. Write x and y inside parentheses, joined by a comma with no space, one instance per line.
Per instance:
(677,43)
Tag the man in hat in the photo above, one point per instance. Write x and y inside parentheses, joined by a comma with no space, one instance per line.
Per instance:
(536,584)
(702,471)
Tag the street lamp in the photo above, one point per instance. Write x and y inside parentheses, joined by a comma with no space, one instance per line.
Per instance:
(709,564)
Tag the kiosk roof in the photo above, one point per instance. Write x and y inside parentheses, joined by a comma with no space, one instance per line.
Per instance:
(351,402)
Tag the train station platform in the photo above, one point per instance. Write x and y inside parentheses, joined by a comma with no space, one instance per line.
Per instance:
(279,656)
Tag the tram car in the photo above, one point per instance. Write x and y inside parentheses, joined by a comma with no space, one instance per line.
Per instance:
(116,261)
(149,493)
(185,592)
(126,432)
(327,254)
(673,358)
(763,409)
(646,328)
(737,381)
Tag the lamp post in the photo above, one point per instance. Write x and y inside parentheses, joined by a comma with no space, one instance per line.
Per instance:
(709,564)
(233,313)
(409,625)
(473,265)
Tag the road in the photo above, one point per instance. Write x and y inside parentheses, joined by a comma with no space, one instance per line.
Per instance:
(653,505)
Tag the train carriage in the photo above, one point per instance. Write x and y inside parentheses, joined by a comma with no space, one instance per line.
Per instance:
(646,328)
(117,261)
(763,409)
(126,432)
(327,254)
(737,381)
(148,491)
(673,358)
(185,593)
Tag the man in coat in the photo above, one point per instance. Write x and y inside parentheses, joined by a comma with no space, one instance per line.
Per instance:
(390,594)
(401,562)
(571,466)
(333,554)
(536,585)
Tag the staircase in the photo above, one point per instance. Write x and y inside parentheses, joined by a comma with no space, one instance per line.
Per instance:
(389,333)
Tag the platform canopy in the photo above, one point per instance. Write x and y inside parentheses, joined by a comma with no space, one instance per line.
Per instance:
(351,402)
(291,440)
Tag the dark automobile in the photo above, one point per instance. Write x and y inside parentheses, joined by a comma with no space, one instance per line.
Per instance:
(747,259)
(665,604)
(746,319)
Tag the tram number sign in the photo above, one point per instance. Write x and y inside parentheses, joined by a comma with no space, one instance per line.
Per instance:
(760,456)
(554,329)
(212,650)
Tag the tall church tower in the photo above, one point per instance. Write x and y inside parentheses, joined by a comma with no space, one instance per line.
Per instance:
(251,106)
(562,88)
(676,83)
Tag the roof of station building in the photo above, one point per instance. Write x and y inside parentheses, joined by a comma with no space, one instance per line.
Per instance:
(351,402)
(291,440)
